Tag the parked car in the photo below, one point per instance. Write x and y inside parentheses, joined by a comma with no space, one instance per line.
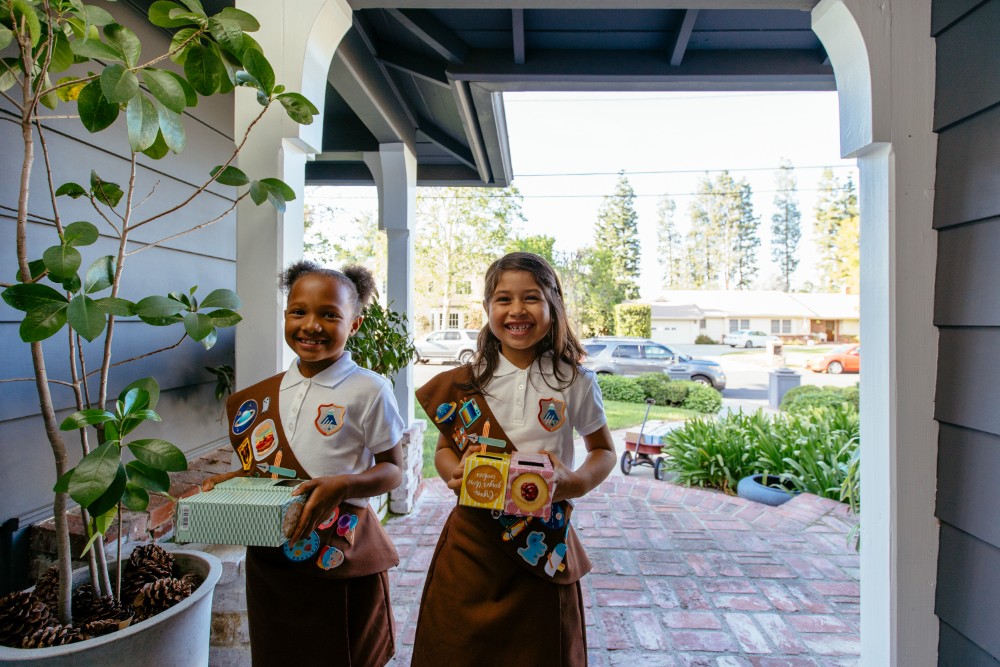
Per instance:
(841,359)
(749,338)
(625,355)
(447,345)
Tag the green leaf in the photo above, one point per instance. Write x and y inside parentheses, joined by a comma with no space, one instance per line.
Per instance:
(147,477)
(142,121)
(70,283)
(171,128)
(148,385)
(194,6)
(81,232)
(97,16)
(100,275)
(208,342)
(159,15)
(125,41)
(198,325)
(94,49)
(221,298)
(85,418)
(30,296)
(161,321)
(96,113)
(299,109)
(95,473)
(229,176)
(224,317)
(24,10)
(118,84)
(258,192)
(159,454)
(278,193)
(62,261)
(158,306)
(181,37)
(8,68)
(86,317)
(115,306)
(6,36)
(159,149)
(73,190)
(227,33)
(165,88)
(259,68)
(42,322)
(105,192)
(69,88)
(203,70)
(99,525)
(190,96)
(35,268)
(135,498)
(241,18)
(62,484)
(62,54)
(135,400)
(109,500)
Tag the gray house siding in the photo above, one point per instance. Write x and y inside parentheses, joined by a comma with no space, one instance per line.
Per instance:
(192,418)
(967,313)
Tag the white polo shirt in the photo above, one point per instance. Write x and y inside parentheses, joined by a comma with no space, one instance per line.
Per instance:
(337,420)
(535,416)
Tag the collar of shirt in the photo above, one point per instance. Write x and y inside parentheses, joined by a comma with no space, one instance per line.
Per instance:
(328,377)
(505,367)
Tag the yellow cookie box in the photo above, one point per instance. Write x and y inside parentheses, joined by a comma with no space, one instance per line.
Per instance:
(484,481)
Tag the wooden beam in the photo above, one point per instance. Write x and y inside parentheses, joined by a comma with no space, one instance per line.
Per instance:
(366,34)
(517,31)
(428,29)
(800,5)
(413,64)
(683,37)
(466,109)
(446,142)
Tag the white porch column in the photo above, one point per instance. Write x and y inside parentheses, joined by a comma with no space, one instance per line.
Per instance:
(299,40)
(395,170)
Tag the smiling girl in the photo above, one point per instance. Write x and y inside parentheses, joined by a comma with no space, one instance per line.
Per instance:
(501,589)
(322,598)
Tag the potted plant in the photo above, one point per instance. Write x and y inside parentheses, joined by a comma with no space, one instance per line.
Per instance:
(103,76)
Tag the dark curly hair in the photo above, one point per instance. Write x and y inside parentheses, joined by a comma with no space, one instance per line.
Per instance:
(560,340)
(359,280)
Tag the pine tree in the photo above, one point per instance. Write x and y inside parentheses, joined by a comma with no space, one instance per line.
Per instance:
(837,248)
(724,234)
(786,225)
(746,241)
(617,232)
(669,247)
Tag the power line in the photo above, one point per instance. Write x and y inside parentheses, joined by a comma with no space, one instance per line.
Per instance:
(681,171)
(596,196)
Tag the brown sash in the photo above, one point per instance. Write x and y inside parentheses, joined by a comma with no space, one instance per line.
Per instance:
(258,437)
(539,546)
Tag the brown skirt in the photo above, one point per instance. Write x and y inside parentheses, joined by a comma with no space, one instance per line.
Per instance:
(480,607)
(299,619)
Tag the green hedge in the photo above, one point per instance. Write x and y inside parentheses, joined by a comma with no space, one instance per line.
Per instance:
(814,451)
(634,319)
(807,397)
(664,391)
(705,339)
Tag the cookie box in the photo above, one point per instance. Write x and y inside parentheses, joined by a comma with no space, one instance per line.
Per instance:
(530,485)
(242,510)
(484,480)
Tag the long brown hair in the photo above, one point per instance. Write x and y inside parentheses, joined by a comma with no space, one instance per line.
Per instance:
(560,339)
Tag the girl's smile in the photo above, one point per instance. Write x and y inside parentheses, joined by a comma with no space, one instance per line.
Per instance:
(318,321)
(519,316)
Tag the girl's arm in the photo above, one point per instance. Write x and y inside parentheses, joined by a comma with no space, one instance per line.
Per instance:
(595,468)
(448,465)
(325,493)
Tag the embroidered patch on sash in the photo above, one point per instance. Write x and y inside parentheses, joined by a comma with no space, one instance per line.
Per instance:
(243,451)
(244,416)
(470,412)
(302,550)
(265,439)
(534,549)
(330,418)
(551,413)
(265,405)
(445,413)
(330,557)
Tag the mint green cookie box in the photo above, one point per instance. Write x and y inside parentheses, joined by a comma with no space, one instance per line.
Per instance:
(242,510)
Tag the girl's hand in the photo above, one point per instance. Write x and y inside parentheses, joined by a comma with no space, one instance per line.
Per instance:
(455,483)
(325,494)
(209,483)
(567,483)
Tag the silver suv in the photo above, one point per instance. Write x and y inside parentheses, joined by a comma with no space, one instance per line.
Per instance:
(447,345)
(625,355)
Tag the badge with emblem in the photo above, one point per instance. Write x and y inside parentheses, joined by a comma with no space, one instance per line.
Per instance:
(330,418)
(551,413)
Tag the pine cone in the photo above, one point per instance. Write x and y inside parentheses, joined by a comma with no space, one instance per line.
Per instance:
(54,635)
(21,615)
(147,563)
(193,579)
(100,627)
(84,599)
(47,587)
(159,596)
(96,608)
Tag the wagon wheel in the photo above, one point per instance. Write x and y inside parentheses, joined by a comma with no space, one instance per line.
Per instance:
(626,463)
(660,468)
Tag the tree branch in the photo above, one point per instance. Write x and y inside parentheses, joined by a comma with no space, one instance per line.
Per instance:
(188,231)
(142,356)
(48,174)
(60,382)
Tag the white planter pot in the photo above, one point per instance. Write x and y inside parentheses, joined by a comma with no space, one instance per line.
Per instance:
(177,637)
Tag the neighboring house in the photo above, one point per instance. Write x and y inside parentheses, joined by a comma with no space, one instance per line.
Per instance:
(680,316)
(465,309)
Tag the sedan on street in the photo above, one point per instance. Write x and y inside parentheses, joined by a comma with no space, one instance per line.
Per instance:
(748,338)
(842,359)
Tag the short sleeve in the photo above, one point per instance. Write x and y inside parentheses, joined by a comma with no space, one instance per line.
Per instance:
(587,406)
(383,424)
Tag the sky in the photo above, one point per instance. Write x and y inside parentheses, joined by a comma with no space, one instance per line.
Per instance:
(567,150)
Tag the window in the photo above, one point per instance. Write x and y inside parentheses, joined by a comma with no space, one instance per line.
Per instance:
(658,352)
(702,324)
(472,334)
(436,336)
(463,287)
(452,320)
(734,326)
(451,335)
(744,324)
(781,326)
(775,326)
(628,352)
(594,349)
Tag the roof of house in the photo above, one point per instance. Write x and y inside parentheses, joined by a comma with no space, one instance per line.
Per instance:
(687,304)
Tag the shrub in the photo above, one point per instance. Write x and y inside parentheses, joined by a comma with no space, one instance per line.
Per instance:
(618,388)
(710,453)
(633,319)
(807,397)
(701,398)
(705,339)
(655,386)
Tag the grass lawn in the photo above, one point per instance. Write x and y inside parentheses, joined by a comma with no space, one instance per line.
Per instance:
(620,415)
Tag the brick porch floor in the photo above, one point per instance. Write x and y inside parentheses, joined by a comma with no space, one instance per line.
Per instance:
(685,577)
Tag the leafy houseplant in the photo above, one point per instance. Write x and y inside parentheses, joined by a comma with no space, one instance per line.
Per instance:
(382,344)
(105,76)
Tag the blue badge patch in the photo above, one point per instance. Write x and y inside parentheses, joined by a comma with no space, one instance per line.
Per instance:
(329,418)
(534,549)
(304,549)
(244,416)
(551,413)
(470,412)
(445,413)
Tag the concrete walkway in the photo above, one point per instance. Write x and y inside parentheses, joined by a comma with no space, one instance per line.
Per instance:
(685,577)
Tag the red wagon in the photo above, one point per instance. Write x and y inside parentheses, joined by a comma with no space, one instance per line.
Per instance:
(638,452)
